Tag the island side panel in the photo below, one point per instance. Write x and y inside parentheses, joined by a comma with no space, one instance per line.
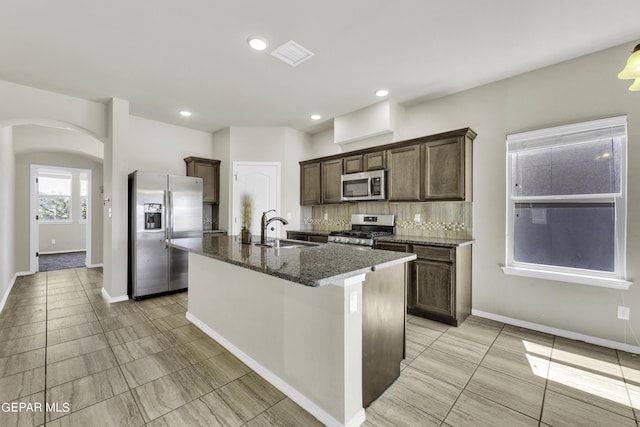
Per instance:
(304,337)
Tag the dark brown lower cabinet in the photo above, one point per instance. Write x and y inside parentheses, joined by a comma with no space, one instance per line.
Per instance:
(440,284)
(307,237)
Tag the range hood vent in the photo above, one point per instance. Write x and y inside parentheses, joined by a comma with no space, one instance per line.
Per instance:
(292,53)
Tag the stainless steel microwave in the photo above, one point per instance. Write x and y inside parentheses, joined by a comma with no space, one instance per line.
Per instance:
(364,186)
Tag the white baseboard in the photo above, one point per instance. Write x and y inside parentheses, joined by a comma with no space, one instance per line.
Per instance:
(559,332)
(111,299)
(277,382)
(94,265)
(62,252)
(7,292)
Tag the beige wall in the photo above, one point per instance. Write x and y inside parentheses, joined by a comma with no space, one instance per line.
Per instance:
(7,213)
(578,90)
(22,203)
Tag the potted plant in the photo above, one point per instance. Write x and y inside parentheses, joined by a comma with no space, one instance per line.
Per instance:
(245,211)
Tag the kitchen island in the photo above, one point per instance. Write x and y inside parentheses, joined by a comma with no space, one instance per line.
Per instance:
(323,323)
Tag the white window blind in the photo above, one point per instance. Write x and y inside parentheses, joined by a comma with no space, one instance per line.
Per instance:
(566,203)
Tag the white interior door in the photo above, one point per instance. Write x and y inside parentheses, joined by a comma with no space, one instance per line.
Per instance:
(261,182)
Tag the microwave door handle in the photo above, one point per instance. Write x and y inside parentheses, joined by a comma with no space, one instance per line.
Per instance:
(371,184)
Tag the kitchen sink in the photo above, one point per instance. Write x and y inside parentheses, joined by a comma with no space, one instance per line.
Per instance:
(283,244)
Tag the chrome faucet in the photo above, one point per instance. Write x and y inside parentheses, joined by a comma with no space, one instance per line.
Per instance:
(264,223)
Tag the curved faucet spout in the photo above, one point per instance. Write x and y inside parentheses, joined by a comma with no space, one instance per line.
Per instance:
(264,222)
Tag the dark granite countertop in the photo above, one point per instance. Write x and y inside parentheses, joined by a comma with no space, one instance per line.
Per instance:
(311,265)
(423,240)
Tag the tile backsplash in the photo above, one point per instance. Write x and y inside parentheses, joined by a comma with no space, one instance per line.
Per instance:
(432,219)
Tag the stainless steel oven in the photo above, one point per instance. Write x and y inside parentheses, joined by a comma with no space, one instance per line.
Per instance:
(364,186)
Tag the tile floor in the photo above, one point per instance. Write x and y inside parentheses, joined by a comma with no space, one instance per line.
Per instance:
(143,363)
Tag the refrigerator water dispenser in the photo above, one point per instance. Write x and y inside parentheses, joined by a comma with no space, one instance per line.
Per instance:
(152,216)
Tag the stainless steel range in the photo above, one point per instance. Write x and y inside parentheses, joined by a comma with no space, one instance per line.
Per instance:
(364,229)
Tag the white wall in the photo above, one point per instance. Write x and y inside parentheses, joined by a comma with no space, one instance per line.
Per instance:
(161,147)
(578,90)
(7,214)
(262,144)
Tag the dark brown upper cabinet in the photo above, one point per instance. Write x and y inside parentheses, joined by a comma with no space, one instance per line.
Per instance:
(209,171)
(444,170)
(310,184)
(331,181)
(403,173)
(353,164)
(374,161)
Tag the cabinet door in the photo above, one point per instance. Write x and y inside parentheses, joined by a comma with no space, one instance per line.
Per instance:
(389,246)
(209,173)
(432,289)
(353,164)
(310,184)
(444,170)
(331,181)
(403,176)
(374,161)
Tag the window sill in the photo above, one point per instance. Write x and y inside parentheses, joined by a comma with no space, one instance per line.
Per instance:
(604,282)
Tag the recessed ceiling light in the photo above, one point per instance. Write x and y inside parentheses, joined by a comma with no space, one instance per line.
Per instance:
(185,113)
(382,92)
(315,117)
(257,42)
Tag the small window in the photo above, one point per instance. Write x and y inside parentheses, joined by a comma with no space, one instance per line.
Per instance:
(566,203)
(84,196)
(54,196)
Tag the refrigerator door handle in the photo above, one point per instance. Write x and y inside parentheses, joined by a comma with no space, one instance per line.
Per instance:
(166,215)
(170,213)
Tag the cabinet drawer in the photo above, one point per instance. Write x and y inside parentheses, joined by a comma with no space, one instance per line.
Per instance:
(318,239)
(436,253)
(388,246)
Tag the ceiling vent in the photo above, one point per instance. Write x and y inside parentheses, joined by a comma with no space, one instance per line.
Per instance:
(292,53)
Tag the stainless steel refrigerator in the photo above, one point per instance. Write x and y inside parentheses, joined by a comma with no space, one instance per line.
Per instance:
(161,207)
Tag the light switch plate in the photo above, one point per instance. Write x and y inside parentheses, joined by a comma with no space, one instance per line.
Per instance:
(623,312)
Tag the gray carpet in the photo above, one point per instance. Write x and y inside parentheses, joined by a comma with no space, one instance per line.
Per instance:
(62,261)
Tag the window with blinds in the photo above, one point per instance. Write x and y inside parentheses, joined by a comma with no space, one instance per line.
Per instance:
(566,203)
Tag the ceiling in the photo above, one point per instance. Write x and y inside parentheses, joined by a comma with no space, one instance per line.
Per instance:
(163,56)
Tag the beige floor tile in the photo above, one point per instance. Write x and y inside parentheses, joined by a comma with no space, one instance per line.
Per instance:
(285,413)
(66,295)
(250,395)
(29,416)
(141,348)
(152,367)
(512,392)
(525,342)
(80,366)
(629,364)
(201,349)
(531,368)
(20,345)
(21,362)
(221,369)
(594,387)
(86,391)
(187,333)
(115,310)
(64,290)
(444,367)
(73,310)
(171,322)
(130,333)
(561,410)
(413,350)
(586,356)
(9,320)
(112,323)
(213,413)
(71,282)
(21,384)
(158,397)
(120,410)
(57,336)
(420,335)
(484,321)
(163,311)
(37,278)
(431,395)
(474,410)
(21,301)
(462,348)
(73,320)
(474,331)
(69,349)
(67,303)
(22,331)
(388,410)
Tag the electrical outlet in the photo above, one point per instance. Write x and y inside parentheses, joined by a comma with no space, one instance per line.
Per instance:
(53,241)
(353,302)
(623,312)
(416,218)
(326,216)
